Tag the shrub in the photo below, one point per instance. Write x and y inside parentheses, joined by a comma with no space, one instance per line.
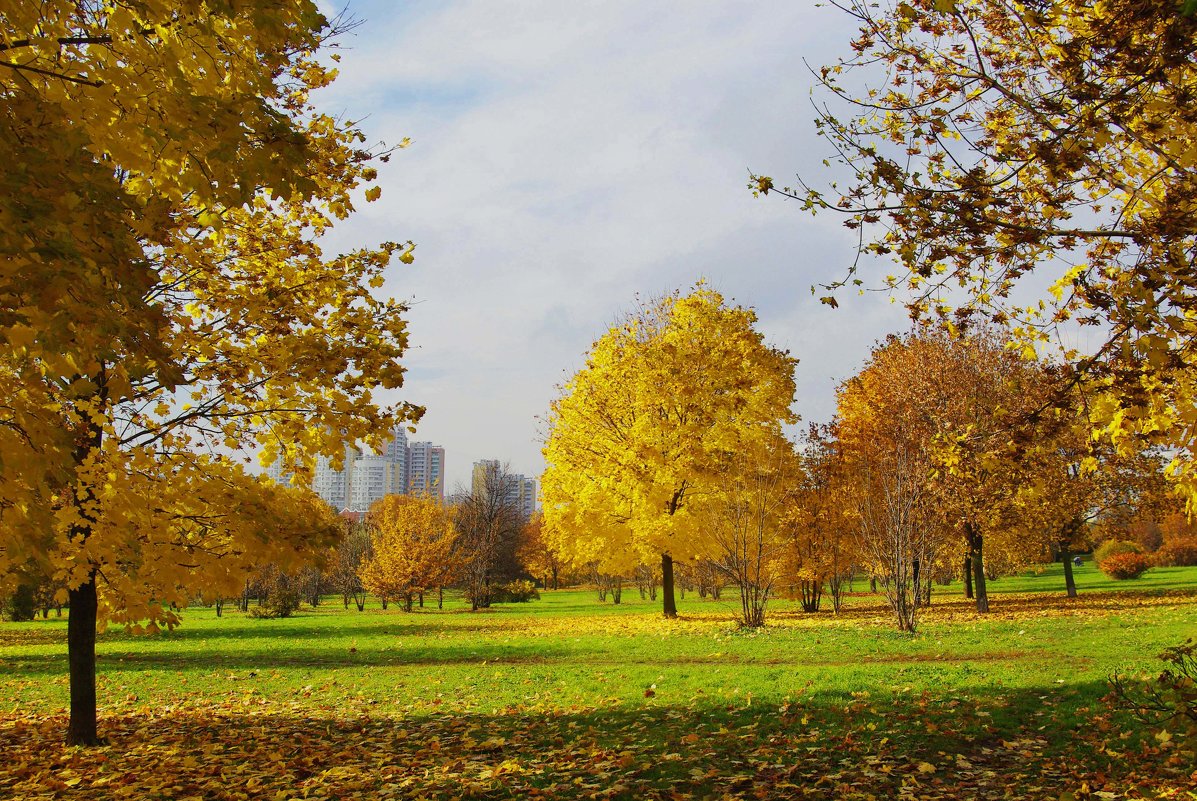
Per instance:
(1181,552)
(1125,565)
(280,603)
(515,592)
(1114,547)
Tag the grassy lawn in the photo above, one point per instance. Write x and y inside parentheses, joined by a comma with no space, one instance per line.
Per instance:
(567,697)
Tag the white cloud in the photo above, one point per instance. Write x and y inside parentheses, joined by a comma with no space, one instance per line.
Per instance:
(568,156)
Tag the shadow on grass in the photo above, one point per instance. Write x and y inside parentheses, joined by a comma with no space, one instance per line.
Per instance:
(986,746)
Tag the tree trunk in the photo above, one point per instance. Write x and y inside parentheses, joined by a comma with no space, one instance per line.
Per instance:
(976,545)
(421,601)
(440,597)
(669,603)
(617,593)
(81,650)
(968,577)
(1069,581)
(408,601)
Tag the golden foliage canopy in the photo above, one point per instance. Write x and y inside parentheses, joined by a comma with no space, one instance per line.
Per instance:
(413,539)
(164,298)
(641,435)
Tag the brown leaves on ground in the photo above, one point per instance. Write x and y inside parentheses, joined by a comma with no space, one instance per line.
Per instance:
(257,750)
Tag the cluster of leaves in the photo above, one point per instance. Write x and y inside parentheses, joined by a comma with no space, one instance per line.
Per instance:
(987,142)
(1113,548)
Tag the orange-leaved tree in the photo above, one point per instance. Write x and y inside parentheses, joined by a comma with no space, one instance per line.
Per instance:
(537,553)
(934,431)
(166,302)
(413,540)
(639,436)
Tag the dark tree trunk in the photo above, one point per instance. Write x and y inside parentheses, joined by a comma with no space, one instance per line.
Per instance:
(976,547)
(81,650)
(968,577)
(384,602)
(669,603)
(1069,581)
(440,597)
(421,601)
(617,592)
(408,601)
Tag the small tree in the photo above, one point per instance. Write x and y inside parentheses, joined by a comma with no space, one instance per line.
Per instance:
(352,551)
(488,526)
(747,521)
(413,541)
(538,555)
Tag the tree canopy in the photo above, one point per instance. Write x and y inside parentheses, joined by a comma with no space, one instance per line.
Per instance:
(1004,147)
(166,300)
(643,432)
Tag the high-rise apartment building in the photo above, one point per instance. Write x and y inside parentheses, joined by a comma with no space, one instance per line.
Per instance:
(367,476)
(426,470)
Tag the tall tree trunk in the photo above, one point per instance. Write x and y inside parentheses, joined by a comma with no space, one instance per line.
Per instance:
(81,650)
(669,603)
(968,578)
(440,597)
(1069,581)
(976,546)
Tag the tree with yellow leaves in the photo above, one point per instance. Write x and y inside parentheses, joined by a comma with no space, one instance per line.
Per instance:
(639,437)
(165,302)
(747,520)
(1006,147)
(413,541)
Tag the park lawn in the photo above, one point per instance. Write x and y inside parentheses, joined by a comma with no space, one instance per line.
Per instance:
(567,697)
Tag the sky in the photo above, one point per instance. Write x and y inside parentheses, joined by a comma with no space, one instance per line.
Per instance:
(569,157)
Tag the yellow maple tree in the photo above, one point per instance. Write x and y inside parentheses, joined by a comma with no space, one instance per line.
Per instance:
(412,547)
(166,302)
(638,438)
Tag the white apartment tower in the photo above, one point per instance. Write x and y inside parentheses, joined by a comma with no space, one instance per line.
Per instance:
(368,476)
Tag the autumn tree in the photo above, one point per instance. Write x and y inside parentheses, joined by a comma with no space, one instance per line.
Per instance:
(747,520)
(637,438)
(537,554)
(488,522)
(1004,148)
(820,527)
(344,572)
(933,430)
(166,302)
(413,547)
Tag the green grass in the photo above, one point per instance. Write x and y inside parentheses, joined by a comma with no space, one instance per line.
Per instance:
(1036,668)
